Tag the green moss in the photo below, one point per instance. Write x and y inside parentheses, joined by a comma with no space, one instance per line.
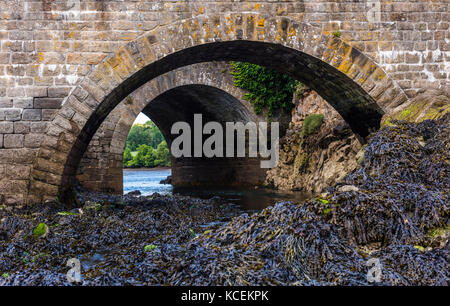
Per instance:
(67,213)
(419,111)
(128,100)
(301,161)
(361,155)
(438,231)
(192,233)
(337,34)
(311,124)
(323,201)
(387,122)
(420,248)
(150,247)
(40,230)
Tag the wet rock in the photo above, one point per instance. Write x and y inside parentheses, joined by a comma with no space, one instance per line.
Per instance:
(348,188)
(167,181)
(134,193)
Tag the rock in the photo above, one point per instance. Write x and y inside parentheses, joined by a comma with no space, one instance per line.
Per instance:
(167,181)
(311,162)
(360,155)
(348,188)
(134,193)
(431,104)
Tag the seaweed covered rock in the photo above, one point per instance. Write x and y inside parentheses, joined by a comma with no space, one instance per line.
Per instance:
(403,185)
(393,208)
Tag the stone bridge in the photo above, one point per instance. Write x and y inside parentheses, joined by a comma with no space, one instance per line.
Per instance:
(65,66)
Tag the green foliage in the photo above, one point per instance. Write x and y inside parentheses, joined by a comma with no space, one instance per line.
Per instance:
(323,201)
(150,148)
(5,275)
(147,157)
(127,157)
(150,247)
(438,231)
(162,155)
(337,34)
(266,87)
(147,133)
(192,233)
(311,124)
(40,230)
(420,248)
(66,213)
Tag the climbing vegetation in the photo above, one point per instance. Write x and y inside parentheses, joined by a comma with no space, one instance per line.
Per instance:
(267,88)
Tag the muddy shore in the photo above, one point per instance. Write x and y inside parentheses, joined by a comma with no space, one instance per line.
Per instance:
(393,208)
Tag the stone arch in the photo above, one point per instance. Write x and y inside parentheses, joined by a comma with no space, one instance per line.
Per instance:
(346,78)
(101,168)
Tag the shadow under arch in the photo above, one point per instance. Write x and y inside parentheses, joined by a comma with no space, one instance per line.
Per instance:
(351,82)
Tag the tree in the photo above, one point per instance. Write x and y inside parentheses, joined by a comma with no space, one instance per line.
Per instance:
(150,146)
(147,133)
(127,156)
(162,155)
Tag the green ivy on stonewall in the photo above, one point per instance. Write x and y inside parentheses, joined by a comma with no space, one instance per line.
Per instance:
(266,87)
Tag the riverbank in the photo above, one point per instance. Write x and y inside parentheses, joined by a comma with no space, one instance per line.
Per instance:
(392,210)
(147,169)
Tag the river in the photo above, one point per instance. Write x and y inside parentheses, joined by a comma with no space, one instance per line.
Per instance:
(147,182)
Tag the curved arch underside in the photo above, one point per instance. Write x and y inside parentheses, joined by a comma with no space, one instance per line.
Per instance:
(347,79)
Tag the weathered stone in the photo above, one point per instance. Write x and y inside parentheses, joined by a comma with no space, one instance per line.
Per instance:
(13,114)
(31,114)
(18,172)
(47,103)
(21,127)
(13,141)
(6,127)
(38,127)
(33,140)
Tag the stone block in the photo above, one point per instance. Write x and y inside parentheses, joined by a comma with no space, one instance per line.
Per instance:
(33,140)
(11,141)
(6,127)
(32,114)
(47,103)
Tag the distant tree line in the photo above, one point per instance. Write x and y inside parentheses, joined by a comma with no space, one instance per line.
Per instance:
(146,147)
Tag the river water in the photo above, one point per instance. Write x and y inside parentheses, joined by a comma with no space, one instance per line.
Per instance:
(147,182)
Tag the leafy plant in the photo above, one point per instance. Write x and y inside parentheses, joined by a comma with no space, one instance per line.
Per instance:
(311,124)
(150,247)
(40,230)
(67,213)
(337,34)
(266,87)
(192,233)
